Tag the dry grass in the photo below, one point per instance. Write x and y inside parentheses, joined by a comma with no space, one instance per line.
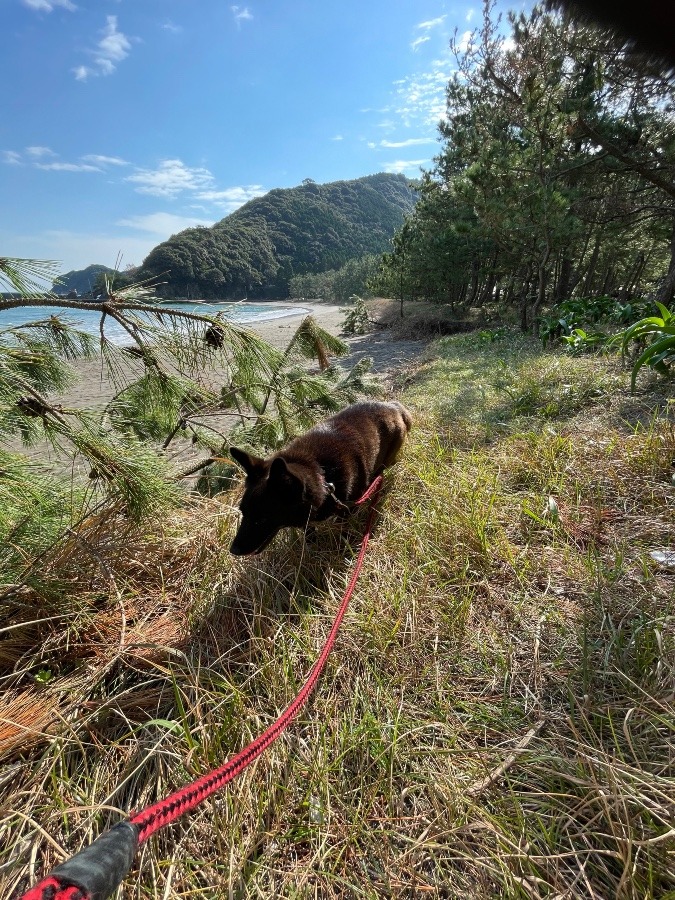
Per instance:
(497,719)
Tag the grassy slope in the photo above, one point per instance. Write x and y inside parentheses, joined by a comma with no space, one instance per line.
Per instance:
(497,719)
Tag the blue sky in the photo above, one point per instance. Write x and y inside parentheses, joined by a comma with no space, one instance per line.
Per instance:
(125,121)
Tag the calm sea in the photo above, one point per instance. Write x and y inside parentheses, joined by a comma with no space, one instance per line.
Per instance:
(89,321)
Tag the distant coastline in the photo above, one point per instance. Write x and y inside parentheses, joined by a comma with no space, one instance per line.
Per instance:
(239,311)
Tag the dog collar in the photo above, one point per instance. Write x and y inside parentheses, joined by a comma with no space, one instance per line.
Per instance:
(330,490)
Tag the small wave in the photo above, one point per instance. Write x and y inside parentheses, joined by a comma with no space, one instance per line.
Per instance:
(240,312)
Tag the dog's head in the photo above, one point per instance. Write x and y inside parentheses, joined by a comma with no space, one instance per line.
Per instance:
(274,498)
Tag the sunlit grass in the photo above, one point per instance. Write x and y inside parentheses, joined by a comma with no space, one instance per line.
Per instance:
(497,719)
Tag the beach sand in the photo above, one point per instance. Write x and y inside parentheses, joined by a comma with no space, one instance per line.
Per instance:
(94,388)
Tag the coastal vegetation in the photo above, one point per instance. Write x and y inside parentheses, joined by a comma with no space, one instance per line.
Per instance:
(83,281)
(554,178)
(498,719)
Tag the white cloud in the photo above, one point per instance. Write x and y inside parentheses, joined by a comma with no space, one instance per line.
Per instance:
(113,47)
(431,23)
(232,198)
(172,27)
(39,152)
(338,137)
(49,5)
(11,158)
(410,142)
(98,160)
(469,15)
(67,167)
(418,42)
(465,41)
(240,13)
(372,145)
(170,178)
(162,224)
(404,165)
(420,98)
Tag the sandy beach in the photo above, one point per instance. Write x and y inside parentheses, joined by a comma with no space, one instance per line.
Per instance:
(94,388)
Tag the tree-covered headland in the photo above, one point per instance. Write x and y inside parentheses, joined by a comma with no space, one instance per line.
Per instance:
(256,250)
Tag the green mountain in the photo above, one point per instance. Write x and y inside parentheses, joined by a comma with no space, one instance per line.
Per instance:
(80,280)
(311,228)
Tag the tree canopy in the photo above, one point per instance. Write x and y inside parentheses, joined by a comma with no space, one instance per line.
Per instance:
(554,178)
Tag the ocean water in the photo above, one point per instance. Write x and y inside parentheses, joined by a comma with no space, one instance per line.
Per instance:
(89,320)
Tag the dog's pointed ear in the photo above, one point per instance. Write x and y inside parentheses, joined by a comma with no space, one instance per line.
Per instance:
(248,462)
(283,472)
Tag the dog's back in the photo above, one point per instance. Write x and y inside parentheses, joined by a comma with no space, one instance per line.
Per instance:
(354,445)
(318,473)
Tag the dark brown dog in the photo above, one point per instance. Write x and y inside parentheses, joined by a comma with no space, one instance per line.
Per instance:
(317,474)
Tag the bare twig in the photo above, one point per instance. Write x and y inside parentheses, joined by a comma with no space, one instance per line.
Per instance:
(479,787)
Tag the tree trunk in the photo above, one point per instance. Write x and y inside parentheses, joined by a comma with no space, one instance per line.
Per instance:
(608,282)
(474,284)
(590,274)
(542,277)
(665,294)
(627,290)
(562,288)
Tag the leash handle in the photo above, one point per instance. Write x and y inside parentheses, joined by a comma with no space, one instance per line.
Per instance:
(94,872)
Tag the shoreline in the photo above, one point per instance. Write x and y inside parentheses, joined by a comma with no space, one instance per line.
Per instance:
(94,388)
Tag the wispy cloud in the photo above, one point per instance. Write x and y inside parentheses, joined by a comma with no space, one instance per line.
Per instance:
(170,178)
(241,13)
(470,14)
(67,167)
(420,98)
(431,23)
(172,27)
(98,160)
(113,47)
(49,5)
(40,152)
(417,43)
(46,158)
(338,137)
(162,224)
(404,165)
(410,142)
(231,198)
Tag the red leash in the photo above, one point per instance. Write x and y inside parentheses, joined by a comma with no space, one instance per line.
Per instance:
(95,872)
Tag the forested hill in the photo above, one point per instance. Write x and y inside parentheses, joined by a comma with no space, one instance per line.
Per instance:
(80,280)
(254,251)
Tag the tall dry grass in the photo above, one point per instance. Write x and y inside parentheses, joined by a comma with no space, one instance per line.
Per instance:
(497,719)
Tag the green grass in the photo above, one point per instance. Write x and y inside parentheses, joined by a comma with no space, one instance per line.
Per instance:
(497,719)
